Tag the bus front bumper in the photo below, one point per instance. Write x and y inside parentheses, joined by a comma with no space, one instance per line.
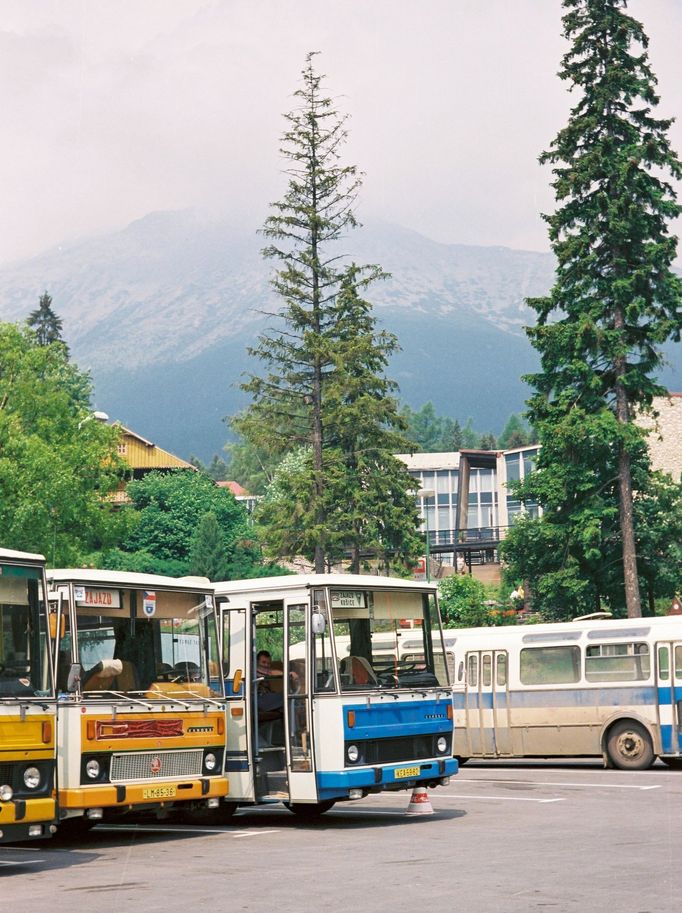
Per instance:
(139,795)
(338,784)
(26,819)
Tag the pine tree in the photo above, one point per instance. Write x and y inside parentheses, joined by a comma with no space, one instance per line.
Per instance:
(207,553)
(313,363)
(615,299)
(45,323)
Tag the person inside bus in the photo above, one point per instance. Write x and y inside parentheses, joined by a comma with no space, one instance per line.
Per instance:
(270,702)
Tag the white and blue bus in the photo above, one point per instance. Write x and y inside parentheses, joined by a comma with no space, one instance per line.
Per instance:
(594,687)
(332,715)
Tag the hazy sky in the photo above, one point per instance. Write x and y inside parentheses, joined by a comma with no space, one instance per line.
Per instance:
(115,108)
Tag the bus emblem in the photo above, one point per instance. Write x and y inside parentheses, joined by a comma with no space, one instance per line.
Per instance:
(155,765)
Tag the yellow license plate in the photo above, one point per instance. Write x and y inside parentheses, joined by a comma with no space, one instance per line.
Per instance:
(403,772)
(159,792)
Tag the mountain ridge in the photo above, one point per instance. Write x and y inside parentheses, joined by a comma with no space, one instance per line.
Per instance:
(162,312)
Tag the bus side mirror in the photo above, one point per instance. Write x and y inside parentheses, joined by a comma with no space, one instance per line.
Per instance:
(74,677)
(318,623)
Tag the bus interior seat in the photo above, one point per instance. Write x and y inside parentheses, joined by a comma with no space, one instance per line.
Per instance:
(127,679)
(101,676)
(359,670)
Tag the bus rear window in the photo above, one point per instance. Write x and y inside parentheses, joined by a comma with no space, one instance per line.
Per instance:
(550,665)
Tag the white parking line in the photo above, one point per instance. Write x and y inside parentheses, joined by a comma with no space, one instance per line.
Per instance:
(500,798)
(552,783)
(249,833)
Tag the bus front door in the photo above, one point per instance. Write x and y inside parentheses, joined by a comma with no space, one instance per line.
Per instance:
(238,767)
(487,703)
(300,756)
(669,689)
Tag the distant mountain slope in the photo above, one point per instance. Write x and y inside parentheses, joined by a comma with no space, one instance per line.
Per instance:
(162,313)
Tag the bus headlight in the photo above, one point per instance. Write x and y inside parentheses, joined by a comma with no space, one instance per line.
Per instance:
(352,753)
(93,769)
(442,745)
(32,778)
(210,761)
(6,792)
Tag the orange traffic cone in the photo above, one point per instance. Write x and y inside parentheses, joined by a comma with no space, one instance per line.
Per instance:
(420,804)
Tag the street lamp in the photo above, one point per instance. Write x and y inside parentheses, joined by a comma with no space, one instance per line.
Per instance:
(425,493)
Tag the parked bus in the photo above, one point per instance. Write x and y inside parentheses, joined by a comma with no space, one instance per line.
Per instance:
(141,710)
(593,687)
(318,724)
(27,702)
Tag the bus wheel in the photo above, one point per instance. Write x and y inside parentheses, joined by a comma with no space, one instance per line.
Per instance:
(629,746)
(310,811)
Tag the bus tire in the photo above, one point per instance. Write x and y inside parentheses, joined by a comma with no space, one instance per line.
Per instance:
(629,747)
(308,811)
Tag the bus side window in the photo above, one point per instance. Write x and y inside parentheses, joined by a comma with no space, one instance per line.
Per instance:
(501,669)
(460,671)
(663,663)
(472,672)
(487,670)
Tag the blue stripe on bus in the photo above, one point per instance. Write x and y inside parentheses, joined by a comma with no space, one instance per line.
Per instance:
(384,720)
(573,697)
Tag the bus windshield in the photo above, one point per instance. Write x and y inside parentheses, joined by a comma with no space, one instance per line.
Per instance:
(368,626)
(24,664)
(150,645)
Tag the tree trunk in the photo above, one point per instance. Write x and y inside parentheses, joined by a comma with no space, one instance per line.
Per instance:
(627,525)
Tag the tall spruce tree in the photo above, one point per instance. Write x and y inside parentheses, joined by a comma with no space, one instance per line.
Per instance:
(313,362)
(615,299)
(45,323)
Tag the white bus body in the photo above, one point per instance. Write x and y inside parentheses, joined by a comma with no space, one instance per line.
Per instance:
(608,688)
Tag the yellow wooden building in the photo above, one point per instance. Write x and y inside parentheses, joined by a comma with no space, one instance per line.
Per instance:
(143,456)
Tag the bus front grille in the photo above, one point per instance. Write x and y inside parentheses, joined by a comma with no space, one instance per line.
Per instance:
(156,765)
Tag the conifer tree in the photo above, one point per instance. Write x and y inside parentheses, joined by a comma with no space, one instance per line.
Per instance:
(325,346)
(45,323)
(615,300)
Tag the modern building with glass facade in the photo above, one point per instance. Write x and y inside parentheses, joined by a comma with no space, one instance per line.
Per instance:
(471,528)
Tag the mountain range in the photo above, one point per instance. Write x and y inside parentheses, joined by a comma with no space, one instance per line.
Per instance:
(162,313)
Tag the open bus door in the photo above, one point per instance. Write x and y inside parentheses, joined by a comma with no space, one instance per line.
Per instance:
(487,703)
(234,642)
(669,690)
(297,705)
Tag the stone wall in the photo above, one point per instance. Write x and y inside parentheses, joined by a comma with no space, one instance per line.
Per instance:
(665,435)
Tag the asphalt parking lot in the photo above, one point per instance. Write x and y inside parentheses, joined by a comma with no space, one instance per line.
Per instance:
(508,838)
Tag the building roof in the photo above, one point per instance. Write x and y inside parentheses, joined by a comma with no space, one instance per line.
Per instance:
(237,490)
(139,453)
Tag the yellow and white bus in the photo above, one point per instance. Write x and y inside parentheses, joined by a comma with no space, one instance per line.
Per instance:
(27,702)
(141,711)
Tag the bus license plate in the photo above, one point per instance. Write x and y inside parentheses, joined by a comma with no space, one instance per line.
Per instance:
(159,792)
(403,772)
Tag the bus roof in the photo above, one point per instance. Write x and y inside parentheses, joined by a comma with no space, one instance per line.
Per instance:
(8,554)
(570,630)
(308,581)
(93,577)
